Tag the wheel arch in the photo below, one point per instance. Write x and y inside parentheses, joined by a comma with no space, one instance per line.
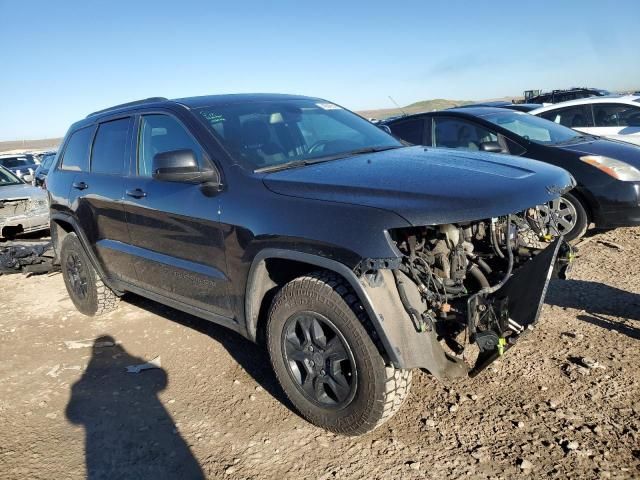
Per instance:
(586,200)
(61,225)
(261,286)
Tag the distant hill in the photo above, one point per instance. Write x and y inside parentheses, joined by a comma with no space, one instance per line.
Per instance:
(417,107)
(28,145)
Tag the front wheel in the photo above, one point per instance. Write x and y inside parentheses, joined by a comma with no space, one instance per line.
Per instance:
(321,349)
(566,216)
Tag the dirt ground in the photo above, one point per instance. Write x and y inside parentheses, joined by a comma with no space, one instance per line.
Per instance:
(69,408)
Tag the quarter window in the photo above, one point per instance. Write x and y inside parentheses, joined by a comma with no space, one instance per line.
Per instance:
(109,147)
(158,134)
(76,155)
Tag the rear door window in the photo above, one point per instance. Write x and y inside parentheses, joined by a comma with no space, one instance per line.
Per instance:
(451,132)
(76,155)
(616,115)
(411,131)
(109,152)
(572,117)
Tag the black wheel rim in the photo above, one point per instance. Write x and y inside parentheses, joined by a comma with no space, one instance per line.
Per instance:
(319,360)
(77,275)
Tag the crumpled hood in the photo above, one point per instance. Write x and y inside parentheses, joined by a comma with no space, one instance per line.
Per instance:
(619,150)
(428,186)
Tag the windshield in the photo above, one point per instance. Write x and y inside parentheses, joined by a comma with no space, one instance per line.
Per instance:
(533,128)
(15,162)
(266,134)
(8,178)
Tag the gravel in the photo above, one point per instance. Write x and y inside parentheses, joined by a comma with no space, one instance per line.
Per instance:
(562,404)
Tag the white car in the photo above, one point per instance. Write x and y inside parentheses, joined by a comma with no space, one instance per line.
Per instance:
(23,208)
(613,117)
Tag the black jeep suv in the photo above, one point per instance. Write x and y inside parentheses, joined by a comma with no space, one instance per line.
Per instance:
(299,224)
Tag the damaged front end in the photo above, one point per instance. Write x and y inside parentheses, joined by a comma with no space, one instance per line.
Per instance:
(470,289)
(23,215)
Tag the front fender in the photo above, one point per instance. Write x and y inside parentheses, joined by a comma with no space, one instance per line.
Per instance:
(403,345)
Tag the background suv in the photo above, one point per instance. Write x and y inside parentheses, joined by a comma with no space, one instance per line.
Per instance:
(299,224)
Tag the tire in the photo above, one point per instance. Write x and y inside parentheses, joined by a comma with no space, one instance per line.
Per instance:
(325,303)
(572,212)
(86,289)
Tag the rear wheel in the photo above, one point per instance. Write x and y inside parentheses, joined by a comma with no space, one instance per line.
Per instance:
(325,358)
(567,216)
(85,287)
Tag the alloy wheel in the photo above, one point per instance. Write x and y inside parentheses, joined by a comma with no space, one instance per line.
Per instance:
(319,360)
(77,275)
(559,215)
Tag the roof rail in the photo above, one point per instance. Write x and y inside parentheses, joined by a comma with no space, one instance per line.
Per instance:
(129,104)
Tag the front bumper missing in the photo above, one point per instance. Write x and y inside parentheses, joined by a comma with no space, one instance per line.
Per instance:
(497,320)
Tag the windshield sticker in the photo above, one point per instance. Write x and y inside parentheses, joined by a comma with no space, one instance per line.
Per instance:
(328,106)
(213,117)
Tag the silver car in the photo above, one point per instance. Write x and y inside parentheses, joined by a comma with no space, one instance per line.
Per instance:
(23,208)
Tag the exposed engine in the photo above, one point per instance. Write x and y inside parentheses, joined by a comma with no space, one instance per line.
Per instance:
(458,268)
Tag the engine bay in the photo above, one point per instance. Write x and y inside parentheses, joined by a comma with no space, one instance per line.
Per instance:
(473,286)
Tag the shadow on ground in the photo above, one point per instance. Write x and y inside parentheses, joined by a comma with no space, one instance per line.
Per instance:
(598,299)
(128,432)
(251,357)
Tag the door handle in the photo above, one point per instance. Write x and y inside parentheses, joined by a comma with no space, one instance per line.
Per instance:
(80,185)
(136,193)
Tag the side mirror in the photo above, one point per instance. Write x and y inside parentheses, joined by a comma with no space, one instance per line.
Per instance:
(385,128)
(491,147)
(181,166)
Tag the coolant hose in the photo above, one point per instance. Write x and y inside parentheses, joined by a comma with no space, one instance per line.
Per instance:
(509,268)
(494,240)
(413,313)
(483,265)
(479,276)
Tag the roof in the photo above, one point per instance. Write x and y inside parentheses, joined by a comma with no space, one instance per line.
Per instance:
(497,103)
(624,99)
(189,102)
(208,100)
(461,111)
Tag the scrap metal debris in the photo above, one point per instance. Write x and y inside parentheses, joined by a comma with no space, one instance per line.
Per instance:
(26,258)
(155,363)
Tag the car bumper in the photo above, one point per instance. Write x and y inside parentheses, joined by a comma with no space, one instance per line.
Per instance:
(27,222)
(616,204)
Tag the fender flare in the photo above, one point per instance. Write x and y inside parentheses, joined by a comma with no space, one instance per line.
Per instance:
(85,245)
(252,287)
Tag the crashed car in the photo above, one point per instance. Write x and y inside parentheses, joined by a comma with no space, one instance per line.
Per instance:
(23,208)
(302,226)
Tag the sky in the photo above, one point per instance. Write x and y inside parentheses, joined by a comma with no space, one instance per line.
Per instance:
(61,60)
